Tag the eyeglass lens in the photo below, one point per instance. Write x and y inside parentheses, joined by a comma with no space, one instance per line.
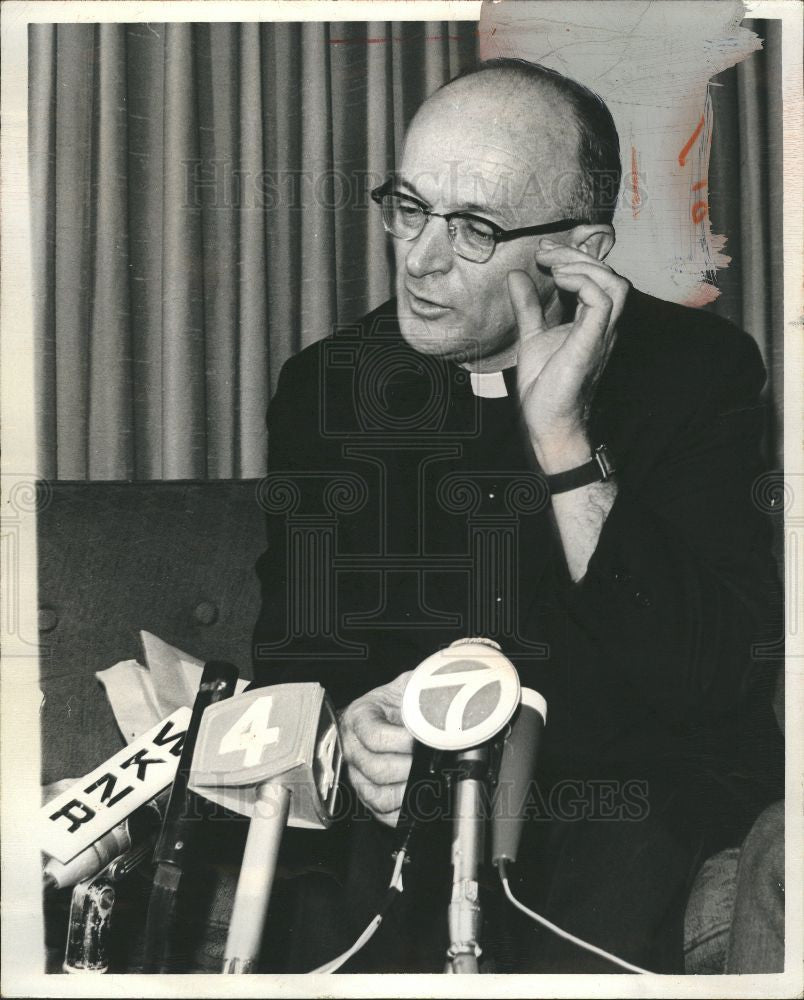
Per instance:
(405,219)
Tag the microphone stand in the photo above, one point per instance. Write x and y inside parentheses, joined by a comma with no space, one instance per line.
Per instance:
(256,878)
(464,915)
(477,743)
(297,782)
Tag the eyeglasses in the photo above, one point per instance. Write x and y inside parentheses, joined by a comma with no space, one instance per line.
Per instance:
(472,237)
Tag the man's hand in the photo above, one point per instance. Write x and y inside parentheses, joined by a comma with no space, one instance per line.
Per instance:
(378,749)
(558,367)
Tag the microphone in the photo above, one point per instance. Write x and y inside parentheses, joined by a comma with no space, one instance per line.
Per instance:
(217,682)
(458,700)
(93,806)
(273,754)
(92,905)
(137,829)
(517,765)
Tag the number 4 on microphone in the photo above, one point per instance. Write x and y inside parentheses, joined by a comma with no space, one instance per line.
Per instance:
(251,732)
(286,734)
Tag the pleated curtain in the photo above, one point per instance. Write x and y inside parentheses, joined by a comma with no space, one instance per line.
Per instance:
(745,202)
(200,212)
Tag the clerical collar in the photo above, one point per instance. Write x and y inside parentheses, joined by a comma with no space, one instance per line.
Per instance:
(490,385)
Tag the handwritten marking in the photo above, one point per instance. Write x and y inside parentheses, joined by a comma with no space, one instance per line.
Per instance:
(699,211)
(682,156)
(636,202)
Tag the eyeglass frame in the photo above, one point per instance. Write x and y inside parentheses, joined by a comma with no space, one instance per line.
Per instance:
(499,234)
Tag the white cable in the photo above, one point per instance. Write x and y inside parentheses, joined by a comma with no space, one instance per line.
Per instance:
(368,933)
(396,878)
(336,963)
(571,937)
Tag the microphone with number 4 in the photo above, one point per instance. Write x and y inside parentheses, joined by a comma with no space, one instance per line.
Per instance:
(273,754)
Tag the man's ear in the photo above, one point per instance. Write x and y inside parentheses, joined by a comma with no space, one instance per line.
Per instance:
(596,239)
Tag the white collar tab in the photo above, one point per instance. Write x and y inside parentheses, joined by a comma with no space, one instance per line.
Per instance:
(490,385)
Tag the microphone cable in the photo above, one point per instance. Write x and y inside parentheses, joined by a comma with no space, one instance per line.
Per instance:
(425,764)
(562,933)
(395,889)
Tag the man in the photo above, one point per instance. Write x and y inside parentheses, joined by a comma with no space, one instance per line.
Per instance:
(422,440)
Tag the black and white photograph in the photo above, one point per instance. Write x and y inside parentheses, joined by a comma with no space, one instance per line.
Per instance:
(403,498)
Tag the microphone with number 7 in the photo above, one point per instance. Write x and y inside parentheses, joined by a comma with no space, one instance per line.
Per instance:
(273,754)
(458,700)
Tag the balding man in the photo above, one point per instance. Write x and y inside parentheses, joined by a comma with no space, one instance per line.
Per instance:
(522,446)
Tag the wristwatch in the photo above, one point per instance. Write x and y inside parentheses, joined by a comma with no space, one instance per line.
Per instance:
(599,468)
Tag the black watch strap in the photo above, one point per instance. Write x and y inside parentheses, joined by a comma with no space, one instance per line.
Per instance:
(596,470)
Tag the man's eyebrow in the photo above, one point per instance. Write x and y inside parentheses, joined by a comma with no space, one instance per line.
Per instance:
(398,181)
(474,207)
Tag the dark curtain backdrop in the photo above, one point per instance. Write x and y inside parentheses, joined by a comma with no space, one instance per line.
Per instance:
(200,212)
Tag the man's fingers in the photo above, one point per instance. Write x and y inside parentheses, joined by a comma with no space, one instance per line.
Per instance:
(387,798)
(378,749)
(397,686)
(380,799)
(527,305)
(553,256)
(381,768)
(595,315)
(377,734)
(589,292)
(612,284)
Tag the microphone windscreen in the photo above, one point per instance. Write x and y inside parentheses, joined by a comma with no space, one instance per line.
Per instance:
(517,767)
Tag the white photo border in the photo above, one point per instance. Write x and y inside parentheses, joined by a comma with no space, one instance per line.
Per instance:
(22,926)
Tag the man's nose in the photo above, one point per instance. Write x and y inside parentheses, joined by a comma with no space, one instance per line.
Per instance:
(431,250)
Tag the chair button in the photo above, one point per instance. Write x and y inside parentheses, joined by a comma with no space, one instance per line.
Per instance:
(205,613)
(48,619)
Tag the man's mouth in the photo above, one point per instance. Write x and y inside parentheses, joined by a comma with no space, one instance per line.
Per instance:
(427,308)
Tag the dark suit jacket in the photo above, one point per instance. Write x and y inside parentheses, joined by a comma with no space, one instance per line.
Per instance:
(429,521)
(404,512)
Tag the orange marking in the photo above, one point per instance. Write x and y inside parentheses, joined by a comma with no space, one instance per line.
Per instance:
(682,156)
(636,203)
(699,211)
(699,185)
